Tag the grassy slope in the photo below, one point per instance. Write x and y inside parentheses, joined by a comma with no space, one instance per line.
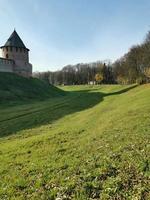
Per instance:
(90,144)
(17,88)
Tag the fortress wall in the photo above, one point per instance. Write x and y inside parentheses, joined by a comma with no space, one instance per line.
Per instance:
(25,70)
(6,65)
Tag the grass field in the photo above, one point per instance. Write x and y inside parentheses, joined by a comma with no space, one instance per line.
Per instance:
(92,143)
(15,89)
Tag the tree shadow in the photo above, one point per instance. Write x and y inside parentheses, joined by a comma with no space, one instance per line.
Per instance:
(75,101)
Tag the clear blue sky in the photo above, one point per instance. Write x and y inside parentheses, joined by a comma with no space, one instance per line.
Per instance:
(61,32)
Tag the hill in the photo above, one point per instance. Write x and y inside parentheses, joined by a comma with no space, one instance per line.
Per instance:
(89,144)
(17,88)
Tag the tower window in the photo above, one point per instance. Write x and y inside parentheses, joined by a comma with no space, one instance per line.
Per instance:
(7,56)
(16,49)
(6,48)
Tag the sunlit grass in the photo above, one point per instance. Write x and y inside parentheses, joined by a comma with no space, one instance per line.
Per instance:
(89,144)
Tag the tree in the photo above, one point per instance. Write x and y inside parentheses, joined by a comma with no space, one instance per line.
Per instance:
(98,78)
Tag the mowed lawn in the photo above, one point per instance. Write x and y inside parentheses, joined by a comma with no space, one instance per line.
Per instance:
(92,143)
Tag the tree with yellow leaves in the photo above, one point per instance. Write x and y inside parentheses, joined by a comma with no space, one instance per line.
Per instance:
(98,78)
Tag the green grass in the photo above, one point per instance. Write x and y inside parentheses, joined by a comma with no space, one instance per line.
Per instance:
(14,88)
(92,143)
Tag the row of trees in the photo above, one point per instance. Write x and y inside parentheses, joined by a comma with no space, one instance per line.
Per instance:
(90,73)
(133,67)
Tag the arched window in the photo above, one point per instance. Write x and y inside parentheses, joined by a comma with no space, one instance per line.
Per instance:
(7,56)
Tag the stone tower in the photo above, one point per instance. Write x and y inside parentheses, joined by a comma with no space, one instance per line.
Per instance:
(15,50)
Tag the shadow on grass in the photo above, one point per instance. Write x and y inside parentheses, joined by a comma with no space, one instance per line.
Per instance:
(30,118)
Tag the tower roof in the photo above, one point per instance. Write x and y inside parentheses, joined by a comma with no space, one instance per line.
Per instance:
(14,41)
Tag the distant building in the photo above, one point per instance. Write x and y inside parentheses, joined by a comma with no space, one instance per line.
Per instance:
(15,57)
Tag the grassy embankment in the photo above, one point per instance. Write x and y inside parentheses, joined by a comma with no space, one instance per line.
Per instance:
(91,143)
(17,89)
